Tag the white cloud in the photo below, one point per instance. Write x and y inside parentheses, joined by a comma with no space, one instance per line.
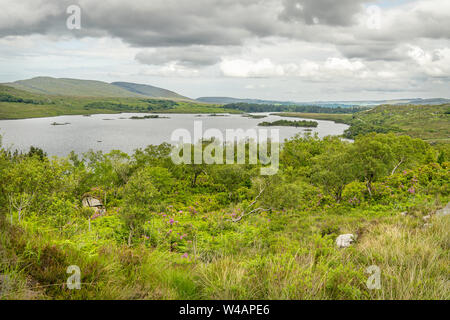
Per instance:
(435,63)
(247,69)
(332,67)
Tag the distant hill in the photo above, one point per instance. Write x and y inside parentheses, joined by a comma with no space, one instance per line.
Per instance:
(91,88)
(330,104)
(228,100)
(71,87)
(149,91)
(418,101)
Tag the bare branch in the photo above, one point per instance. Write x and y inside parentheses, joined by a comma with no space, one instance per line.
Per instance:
(397,166)
(247,214)
(251,205)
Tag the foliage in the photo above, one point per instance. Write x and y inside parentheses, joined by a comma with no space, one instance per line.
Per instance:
(252,108)
(287,123)
(231,234)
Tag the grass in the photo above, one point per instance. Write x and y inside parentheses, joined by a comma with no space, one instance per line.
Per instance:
(425,122)
(296,262)
(430,123)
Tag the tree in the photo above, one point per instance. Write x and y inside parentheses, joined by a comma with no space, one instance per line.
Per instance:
(20,202)
(334,168)
(38,152)
(378,155)
(145,190)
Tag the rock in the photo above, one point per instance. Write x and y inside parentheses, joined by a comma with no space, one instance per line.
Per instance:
(345,240)
(426,218)
(404,213)
(444,212)
(96,204)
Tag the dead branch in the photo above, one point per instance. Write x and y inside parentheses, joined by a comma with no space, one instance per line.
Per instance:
(247,214)
(397,166)
(251,205)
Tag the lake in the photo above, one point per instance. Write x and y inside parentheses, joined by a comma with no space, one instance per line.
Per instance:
(108,132)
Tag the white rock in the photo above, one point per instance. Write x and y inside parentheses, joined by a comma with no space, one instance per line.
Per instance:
(345,240)
(404,213)
(444,212)
(426,218)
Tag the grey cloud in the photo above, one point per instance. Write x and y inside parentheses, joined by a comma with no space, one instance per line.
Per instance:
(194,56)
(33,17)
(160,23)
(372,51)
(205,28)
(184,23)
(329,12)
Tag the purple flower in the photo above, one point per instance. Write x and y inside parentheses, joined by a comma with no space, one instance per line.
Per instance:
(185,256)
(412,190)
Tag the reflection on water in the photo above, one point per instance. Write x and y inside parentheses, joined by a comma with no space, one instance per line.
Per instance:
(60,135)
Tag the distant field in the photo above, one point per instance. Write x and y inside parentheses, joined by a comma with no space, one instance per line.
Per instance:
(431,123)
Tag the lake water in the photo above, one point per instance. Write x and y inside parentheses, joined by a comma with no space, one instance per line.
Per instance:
(118,132)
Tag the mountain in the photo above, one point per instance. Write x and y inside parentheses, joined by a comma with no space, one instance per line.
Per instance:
(91,88)
(71,87)
(149,91)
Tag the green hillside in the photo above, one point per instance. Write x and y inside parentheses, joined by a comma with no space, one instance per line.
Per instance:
(71,87)
(427,122)
(19,104)
(149,91)
(430,123)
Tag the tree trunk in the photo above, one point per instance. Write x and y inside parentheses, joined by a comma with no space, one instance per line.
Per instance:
(129,238)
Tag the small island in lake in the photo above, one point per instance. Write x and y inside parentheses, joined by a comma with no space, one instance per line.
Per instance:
(289,123)
(148,117)
(254,116)
(218,115)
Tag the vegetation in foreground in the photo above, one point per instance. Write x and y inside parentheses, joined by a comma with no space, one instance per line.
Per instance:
(224,232)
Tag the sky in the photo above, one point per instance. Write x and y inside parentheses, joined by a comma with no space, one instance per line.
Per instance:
(290,50)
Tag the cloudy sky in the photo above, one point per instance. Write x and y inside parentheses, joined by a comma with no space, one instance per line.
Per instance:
(298,50)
